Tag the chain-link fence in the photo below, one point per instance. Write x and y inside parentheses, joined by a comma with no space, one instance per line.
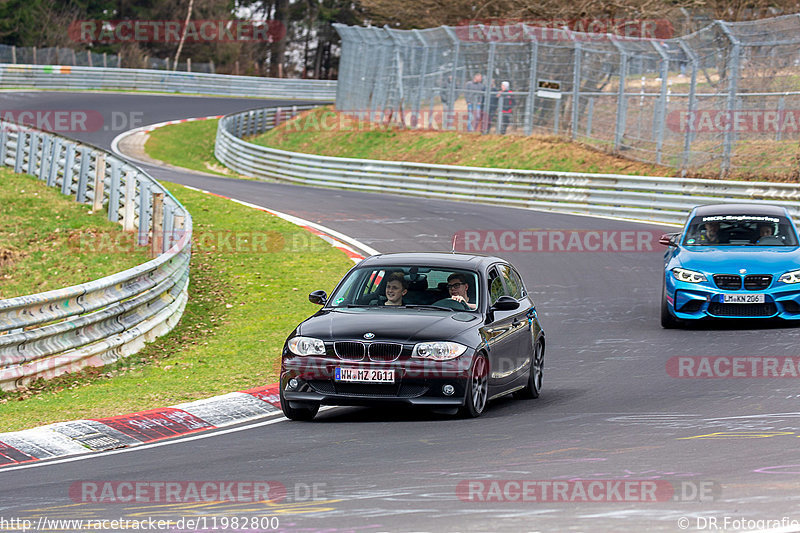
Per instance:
(723,100)
(32,55)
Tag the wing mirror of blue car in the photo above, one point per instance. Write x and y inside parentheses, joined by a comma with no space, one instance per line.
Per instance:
(318,297)
(669,239)
(505,303)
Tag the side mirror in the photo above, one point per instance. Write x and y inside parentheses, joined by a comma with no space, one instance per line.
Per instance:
(318,297)
(505,303)
(669,239)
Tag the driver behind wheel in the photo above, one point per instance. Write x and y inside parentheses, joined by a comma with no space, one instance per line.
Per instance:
(458,287)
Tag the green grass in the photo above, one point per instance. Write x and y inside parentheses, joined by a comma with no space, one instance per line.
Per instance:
(48,241)
(188,145)
(242,305)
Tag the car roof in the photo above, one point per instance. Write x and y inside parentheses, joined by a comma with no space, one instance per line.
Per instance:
(433,259)
(739,209)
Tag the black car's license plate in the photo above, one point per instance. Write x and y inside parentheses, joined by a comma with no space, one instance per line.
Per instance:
(363,375)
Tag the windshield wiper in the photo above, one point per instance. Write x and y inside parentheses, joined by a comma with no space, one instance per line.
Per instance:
(423,306)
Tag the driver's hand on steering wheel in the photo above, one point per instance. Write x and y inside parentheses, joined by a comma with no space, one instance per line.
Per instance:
(459,298)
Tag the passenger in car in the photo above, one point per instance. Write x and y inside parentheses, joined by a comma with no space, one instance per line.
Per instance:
(459,289)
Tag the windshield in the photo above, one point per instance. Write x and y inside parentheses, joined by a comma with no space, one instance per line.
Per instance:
(406,286)
(740,230)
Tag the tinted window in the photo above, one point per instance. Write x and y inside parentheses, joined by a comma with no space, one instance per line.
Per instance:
(740,230)
(513,281)
(496,289)
(424,285)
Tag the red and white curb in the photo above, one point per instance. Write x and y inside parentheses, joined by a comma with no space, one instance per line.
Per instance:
(79,437)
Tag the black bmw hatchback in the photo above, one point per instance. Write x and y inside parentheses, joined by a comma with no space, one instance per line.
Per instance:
(439,330)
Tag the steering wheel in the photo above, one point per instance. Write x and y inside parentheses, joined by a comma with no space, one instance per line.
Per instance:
(451,304)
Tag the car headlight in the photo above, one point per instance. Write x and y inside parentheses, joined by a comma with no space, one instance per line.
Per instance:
(306,346)
(690,276)
(791,277)
(438,351)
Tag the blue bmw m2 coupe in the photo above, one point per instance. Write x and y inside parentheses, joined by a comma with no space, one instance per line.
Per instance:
(732,261)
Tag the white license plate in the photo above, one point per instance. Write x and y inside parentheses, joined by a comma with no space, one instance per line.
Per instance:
(743,298)
(364,375)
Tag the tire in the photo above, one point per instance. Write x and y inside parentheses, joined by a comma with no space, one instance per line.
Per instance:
(534,385)
(477,388)
(301,414)
(668,321)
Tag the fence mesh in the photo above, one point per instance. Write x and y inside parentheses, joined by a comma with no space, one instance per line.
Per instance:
(68,56)
(723,100)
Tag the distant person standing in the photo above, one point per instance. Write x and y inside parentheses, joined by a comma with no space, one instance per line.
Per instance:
(506,102)
(473,91)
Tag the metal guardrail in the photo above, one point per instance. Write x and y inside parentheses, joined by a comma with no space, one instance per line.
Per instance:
(83,78)
(647,198)
(96,323)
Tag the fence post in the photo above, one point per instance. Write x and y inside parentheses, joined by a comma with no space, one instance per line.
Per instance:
(576,86)
(450,114)
(99,181)
(688,134)
(781,107)
(130,202)
(422,74)
(188,64)
(34,56)
(157,242)
(589,116)
(487,95)
(733,82)
(83,176)
(619,127)
(660,111)
(530,101)
(105,60)
(14,54)
(89,58)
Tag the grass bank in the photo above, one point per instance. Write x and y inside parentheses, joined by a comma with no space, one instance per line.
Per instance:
(48,241)
(251,273)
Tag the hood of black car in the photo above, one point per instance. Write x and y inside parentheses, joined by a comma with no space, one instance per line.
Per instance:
(398,325)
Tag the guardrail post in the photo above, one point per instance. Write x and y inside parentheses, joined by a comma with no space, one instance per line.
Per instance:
(47,157)
(169,227)
(52,172)
(113,192)
(144,212)
(83,176)
(4,140)
(128,212)
(157,242)
(19,157)
(32,153)
(69,162)
(99,181)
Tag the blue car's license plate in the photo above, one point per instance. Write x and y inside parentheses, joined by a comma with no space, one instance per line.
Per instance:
(743,298)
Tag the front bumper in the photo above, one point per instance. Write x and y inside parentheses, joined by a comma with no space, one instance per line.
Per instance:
(692,301)
(416,382)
